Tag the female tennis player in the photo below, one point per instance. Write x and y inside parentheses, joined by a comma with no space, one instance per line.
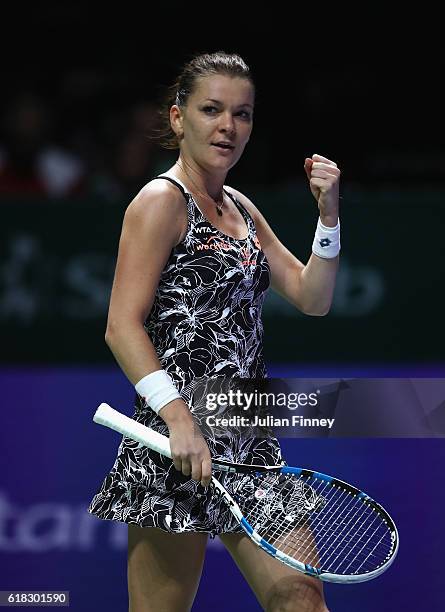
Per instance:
(196,258)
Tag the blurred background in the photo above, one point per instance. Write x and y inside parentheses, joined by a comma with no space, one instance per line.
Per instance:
(81,88)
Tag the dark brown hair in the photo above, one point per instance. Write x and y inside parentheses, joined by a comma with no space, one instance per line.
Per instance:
(207,64)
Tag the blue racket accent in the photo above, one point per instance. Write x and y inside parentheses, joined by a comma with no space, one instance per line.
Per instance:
(312,571)
(270,549)
(362,495)
(308,473)
(257,538)
(291,470)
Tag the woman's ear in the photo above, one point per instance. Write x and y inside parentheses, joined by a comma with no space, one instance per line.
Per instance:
(176,120)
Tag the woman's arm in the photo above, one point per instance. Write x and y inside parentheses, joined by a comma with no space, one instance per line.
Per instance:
(151,228)
(153,224)
(309,287)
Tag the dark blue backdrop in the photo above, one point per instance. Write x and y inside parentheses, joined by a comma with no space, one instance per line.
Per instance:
(54,459)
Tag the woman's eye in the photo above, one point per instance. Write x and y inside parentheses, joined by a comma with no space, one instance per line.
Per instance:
(212,110)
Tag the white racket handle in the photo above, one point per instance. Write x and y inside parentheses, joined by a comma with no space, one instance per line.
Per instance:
(108,416)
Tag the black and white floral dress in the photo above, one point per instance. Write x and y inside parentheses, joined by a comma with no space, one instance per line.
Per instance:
(205,322)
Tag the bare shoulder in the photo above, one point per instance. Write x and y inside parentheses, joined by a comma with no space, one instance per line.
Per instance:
(158,196)
(159,205)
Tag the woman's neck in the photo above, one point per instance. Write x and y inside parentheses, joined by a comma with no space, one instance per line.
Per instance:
(200,181)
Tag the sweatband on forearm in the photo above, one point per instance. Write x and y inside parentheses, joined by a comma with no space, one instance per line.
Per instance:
(157,389)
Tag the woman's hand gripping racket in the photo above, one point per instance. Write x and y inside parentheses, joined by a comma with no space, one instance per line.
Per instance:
(314,523)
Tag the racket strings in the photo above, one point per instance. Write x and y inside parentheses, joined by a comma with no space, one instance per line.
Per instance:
(372,553)
(345,527)
(277,497)
(344,538)
(355,559)
(346,533)
(345,541)
(380,534)
(274,504)
(291,541)
(333,523)
(326,527)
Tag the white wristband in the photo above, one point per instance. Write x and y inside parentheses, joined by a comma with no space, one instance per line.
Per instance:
(326,241)
(157,389)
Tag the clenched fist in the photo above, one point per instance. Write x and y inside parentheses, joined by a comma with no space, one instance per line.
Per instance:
(324,181)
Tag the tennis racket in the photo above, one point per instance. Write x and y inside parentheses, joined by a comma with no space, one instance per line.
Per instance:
(312,522)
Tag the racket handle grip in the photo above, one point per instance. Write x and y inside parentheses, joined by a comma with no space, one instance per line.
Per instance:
(109,417)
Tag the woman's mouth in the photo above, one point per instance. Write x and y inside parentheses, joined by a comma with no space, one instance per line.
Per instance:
(224,147)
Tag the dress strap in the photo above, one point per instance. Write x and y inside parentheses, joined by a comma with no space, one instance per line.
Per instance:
(178,184)
(246,215)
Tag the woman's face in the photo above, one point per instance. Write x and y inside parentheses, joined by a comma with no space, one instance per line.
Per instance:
(216,122)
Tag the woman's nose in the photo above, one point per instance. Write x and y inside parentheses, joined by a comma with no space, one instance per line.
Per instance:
(227,123)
